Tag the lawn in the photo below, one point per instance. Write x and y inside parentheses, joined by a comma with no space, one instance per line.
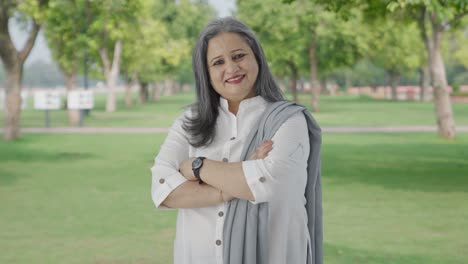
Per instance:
(342,110)
(388,198)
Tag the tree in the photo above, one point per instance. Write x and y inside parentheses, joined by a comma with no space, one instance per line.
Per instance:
(396,48)
(109,23)
(32,12)
(145,48)
(65,33)
(304,37)
(159,48)
(434,18)
(184,20)
(281,38)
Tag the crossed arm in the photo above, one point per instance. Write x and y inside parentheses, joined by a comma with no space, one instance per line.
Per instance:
(223,182)
(268,172)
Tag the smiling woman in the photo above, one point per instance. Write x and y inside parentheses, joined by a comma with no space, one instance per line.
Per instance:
(241,199)
(233,68)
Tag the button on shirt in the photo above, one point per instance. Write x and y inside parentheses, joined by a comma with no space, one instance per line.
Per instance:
(279,179)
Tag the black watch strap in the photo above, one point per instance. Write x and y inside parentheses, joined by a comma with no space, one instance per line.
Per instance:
(197,164)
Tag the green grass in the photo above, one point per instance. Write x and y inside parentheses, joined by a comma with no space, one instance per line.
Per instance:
(342,110)
(364,111)
(388,198)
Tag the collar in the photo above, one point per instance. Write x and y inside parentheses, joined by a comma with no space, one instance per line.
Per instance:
(245,105)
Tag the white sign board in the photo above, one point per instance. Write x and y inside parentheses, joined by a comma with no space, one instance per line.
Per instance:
(24,100)
(47,100)
(83,99)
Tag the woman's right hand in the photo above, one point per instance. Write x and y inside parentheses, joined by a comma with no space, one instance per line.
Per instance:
(262,151)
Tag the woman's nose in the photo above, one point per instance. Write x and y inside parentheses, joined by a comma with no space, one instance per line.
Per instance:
(232,67)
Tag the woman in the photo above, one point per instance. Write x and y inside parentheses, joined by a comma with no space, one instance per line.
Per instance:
(242,164)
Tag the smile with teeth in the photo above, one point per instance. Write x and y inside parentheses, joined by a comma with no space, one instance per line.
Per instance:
(236,79)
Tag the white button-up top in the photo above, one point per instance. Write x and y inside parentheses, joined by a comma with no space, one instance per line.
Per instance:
(279,179)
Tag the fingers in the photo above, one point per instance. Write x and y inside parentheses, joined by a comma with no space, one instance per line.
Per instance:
(262,151)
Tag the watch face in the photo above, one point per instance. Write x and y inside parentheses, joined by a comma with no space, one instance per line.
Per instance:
(196,163)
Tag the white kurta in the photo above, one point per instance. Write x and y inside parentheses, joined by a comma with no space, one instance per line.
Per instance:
(279,179)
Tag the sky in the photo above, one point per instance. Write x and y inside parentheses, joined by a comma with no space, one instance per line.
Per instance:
(41,52)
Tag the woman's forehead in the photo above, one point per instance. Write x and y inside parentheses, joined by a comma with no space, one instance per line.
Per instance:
(226,43)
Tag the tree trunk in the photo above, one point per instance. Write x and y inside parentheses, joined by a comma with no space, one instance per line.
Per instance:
(186,87)
(443,105)
(323,86)
(111,100)
(13,61)
(315,86)
(156,92)
(128,90)
(128,93)
(111,72)
(144,93)
(293,80)
(169,87)
(293,86)
(73,114)
(424,82)
(394,80)
(12,110)
(347,75)
(177,87)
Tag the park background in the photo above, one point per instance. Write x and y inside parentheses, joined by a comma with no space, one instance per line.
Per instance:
(71,194)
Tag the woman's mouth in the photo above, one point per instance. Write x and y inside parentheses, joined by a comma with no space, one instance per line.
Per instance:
(235,79)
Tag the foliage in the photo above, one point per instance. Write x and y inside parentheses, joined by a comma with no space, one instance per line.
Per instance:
(365,73)
(66,33)
(109,22)
(284,44)
(184,20)
(41,74)
(286,31)
(396,47)
(159,46)
(456,45)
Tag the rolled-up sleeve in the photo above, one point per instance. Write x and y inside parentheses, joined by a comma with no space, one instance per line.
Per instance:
(284,169)
(165,171)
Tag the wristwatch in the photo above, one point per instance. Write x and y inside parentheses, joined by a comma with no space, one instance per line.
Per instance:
(197,163)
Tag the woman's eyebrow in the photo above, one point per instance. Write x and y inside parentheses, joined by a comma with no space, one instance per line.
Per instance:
(232,51)
(215,58)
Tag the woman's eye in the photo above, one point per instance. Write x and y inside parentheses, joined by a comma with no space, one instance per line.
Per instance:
(238,56)
(218,62)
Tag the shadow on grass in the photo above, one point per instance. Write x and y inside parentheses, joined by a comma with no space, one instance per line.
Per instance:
(7,177)
(340,254)
(20,151)
(20,154)
(410,166)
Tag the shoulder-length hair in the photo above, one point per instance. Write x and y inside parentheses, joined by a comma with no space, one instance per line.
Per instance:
(201,125)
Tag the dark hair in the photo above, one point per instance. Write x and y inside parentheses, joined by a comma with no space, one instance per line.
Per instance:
(201,125)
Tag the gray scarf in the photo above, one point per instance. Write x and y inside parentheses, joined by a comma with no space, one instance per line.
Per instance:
(245,228)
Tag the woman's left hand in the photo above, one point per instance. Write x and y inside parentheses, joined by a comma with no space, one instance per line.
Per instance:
(186,169)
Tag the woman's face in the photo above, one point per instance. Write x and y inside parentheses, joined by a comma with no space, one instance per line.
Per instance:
(232,67)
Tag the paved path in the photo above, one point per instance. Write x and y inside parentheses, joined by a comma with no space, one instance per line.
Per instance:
(147,130)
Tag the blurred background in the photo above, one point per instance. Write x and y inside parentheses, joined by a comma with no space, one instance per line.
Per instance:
(88,89)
